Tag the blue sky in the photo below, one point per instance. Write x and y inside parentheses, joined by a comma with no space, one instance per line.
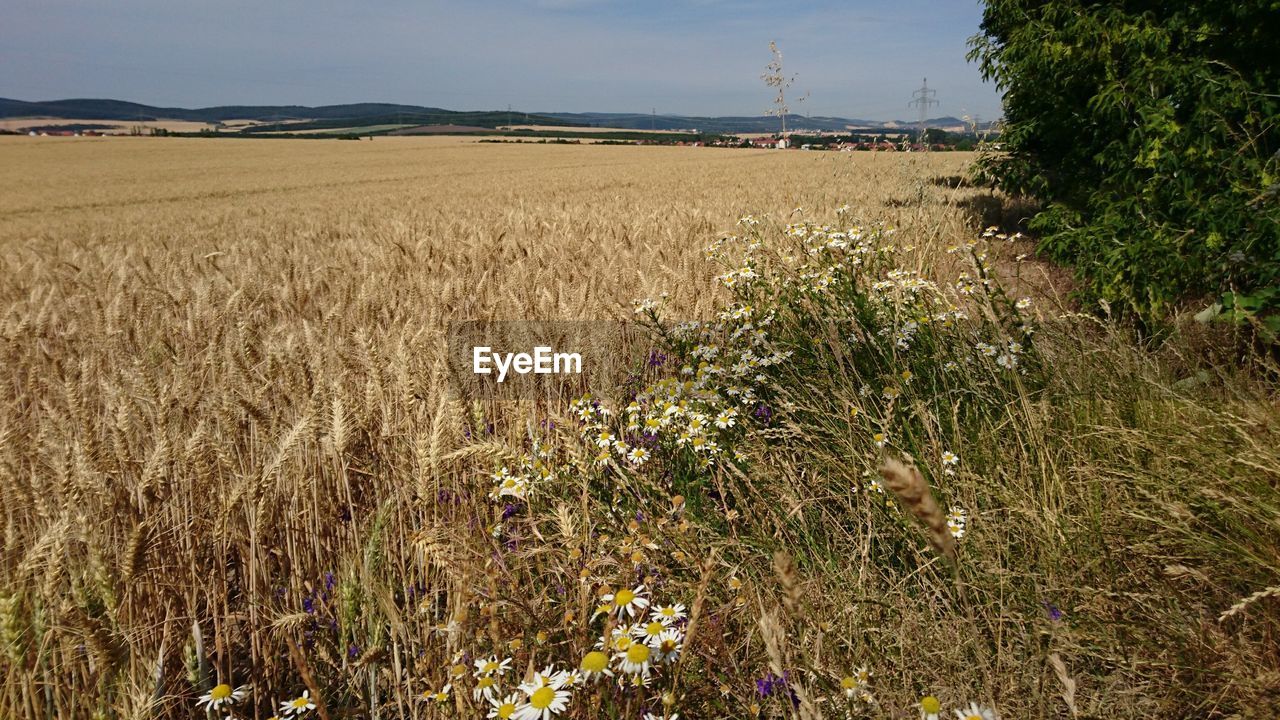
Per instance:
(694,57)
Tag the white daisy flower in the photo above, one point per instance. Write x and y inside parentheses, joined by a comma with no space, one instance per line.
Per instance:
(486,688)
(492,666)
(303,704)
(976,712)
(541,703)
(632,602)
(667,647)
(593,664)
(503,708)
(668,614)
(222,694)
(636,660)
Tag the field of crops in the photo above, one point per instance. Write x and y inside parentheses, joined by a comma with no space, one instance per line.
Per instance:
(229,455)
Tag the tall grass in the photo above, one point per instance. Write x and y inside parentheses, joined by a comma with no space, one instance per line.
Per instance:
(227,455)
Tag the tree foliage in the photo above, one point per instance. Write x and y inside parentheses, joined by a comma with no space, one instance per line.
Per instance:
(1150,131)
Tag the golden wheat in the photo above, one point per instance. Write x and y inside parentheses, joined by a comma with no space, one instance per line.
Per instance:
(229,451)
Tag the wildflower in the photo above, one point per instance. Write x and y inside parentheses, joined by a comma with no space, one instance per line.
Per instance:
(976,712)
(486,687)
(492,666)
(569,678)
(1055,614)
(956,520)
(880,439)
(949,461)
(542,702)
(930,707)
(619,639)
(1007,361)
(302,704)
(668,614)
(667,646)
(629,601)
(222,694)
(1023,303)
(726,418)
(636,659)
(649,631)
(547,677)
(504,708)
(766,685)
(849,685)
(437,696)
(594,663)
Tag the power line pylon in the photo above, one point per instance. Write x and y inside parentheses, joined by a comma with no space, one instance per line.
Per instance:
(923,98)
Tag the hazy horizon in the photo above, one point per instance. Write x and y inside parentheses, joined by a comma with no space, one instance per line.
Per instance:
(697,57)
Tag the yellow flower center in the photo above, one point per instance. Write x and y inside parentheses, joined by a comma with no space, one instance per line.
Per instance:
(848,683)
(299,702)
(622,642)
(595,661)
(485,682)
(668,646)
(220,692)
(542,698)
(623,598)
(973,717)
(638,653)
(506,710)
(930,704)
(490,667)
(654,628)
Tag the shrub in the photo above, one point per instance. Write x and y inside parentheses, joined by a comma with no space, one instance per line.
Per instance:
(1149,131)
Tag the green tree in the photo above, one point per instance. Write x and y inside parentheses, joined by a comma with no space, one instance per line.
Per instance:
(1150,131)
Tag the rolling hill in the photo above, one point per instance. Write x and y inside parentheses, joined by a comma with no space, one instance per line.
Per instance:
(276,118)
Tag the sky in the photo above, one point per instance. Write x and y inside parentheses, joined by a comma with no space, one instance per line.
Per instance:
(854,58)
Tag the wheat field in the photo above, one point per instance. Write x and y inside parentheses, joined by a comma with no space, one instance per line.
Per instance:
(228,456)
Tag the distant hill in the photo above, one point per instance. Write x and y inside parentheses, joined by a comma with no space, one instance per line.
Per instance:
(95,109)
(277,118)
